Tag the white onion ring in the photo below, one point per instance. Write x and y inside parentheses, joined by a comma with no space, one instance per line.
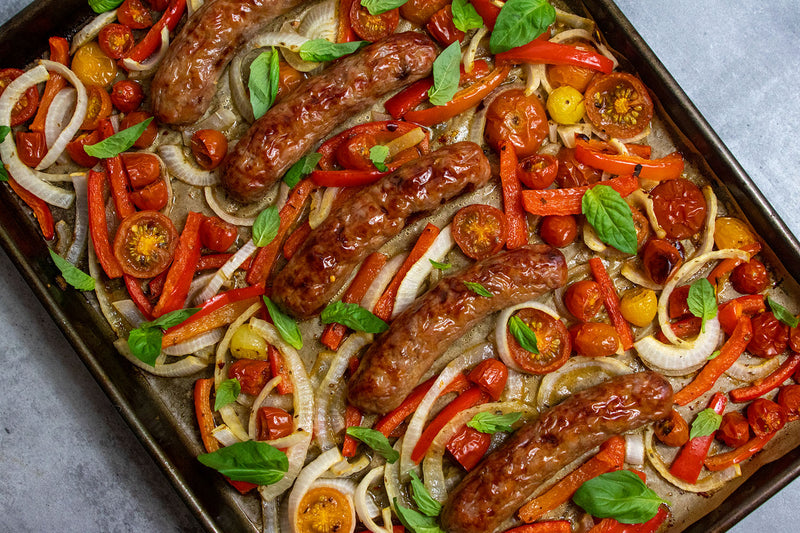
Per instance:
(179,166)
(190,346)
(92,30)
(501,330)
(679,360)
(468,56)
(225,272)
(307,477)
(634,449)
(711,221)
(80,231)
(634,275)
(362,504)
(558,385)
(382,280)
(419,271)
(749,373)
(185,367)
(252,426)
(145,67)
(321,205)
(78,115)
(61,109)
(221,119)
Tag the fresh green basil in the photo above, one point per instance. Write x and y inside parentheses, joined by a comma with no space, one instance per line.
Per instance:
(446,75)
(301,169)
(621,495)
(354,317)
(377,7)
(266,226)
(440,266)
(101,6)
(172,318)
(3,172)
(73,275)
(610,217)
(145,341)
(263,82)
(714,355)
(414,521)
(524,335)
(491,423)
(520,22)
(702,300)
(117,143)
(782,314)
(422,497)
(375,440)
(378,155)
(465,17)
(252,461)
(4,130)
(226,393)
(286,326)
(478,289)
(706,423)
(322,50)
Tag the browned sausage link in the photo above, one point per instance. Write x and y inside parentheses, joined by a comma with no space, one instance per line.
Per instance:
(396,361)
(317,105)
(368,219)
(187,78)
(492,492)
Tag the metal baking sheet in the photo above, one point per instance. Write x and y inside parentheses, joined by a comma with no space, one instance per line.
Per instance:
(140,401)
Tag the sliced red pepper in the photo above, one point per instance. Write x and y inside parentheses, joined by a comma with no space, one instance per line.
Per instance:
(352,418)
(59,52)
(442,27)
(468,446)
(723,270)
(689,462)
(491,375)
(296,240)
(345,33)
(328,148)
(665,168)
(204,413)
(609,525)
(215,261)
(542,51)
(138,296)
(764,385)
(181,273)
(345,178)
(722,461)
(152,41)
(611,300)
(730,312)
(118,178)
(394,418)
(487,10)
(40,209)
(98,226)
(568,201)
(547,526)
(278,368)
(516,220)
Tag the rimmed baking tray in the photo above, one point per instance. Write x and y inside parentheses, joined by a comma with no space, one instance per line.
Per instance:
(141,403)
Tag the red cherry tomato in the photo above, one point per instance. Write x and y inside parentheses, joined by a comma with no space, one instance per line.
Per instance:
(678,302)
(142,168)
(538,171)
(372,27)
(491,376)
(26,106)
(789,399)
(419,12)
(595,339)
(765,416)
(148,135)
(116,40)
(552,340)
(354,153)
(145,243)
(273,423)
(660,260)
(216,234)
(78,154)
(558,230)
(672,431)
(770,336)
(734,430)
(618,104)
(573,173)
(442,28)
(468,446)
(750,277)
(134,15)
(98,107)
(252,374)
(680,207)
(583,299)
(31,146)
(479,230)
(153,197)
(577,77)
(209,148)
(516,118)
(127,95)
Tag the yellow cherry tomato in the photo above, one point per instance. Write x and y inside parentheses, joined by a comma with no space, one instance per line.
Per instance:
(639,306)
(246,344)
(565,105)
(93,66)
(324,509)
(731,232)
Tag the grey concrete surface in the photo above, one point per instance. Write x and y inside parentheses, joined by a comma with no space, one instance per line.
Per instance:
(70,463)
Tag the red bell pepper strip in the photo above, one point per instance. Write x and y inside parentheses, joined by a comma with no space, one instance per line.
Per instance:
(487,10)
(722,461)
(609,525)
(665,168)
(711,372)
(542,51)
(568,201)
(152,41)
(394,418)
(730,312)
(345,33)
(211,305)
(549,526)
(117,176)
(278,368)
(722,271)
(689,462)
(138,296)
(181,273)
(611,300)
(216,261)
(352,418)
(39,207)
(764,385)
(205,416)
(296,240)
(59,52)
(639,150)
(98,227)
(345,178)
(516,220)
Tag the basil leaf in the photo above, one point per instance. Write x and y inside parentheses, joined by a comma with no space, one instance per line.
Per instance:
(263,82)
(422,497)
(4,130)
(714,355)
(378,155)
(3,172)
(375,440)
(117,143)
(491,423)
(226,393)
(702,300)
(145,344)
(414,521)
(173,318)
(354,317)
(266,226)
(446,75)
(610,217)
(465,17)
(782,314)
(440,266)
(519,22)
(621,495)
(101,6)
(706,423)
(301,169)
(285,325)
(478,289)
(376,7)
(252,461)
(73,275)
(523,334)
(321,50)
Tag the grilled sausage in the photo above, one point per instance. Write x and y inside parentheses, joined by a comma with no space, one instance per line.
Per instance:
(317,105)
(187,78)
(396,361)
(363,223)
(503,481)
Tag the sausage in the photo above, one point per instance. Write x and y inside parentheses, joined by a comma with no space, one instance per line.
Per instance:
(317,105)
(503,481)
(396,361)
(364,222)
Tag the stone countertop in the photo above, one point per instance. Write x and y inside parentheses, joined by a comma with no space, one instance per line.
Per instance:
(70,462)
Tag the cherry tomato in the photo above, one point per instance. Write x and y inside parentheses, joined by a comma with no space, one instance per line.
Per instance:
(642,226)
(145,243)
(143,168)
(734,430)
(517,118)
(31,147)
(572,173)
(679,207)
(216,234)
(577,77)
(686,328)
(209,148)
(78,154)
(372,27)
(153,197)
(26,106)
(794,344)
(442,28)
(273,423)
(288,79)
(770,336)
(538,171)
(552,340)
(558,230)
(789,399)
(565,105)
(134,15)
(98,107)
(618,104)
(479,230)
(116,40)
(678,305)
(127,95)
(595,339)
(583,299)
(732,233)
(251,373)
(660,260)
(750,277)
(148,135)
(673,430)
(93,66)
(491,376)
(468,446)
(419,12)
(354,153)
(639,306)
(765,416)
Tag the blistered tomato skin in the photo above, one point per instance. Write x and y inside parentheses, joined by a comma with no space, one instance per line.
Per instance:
(573,173)
(565,105)
(148,135)
(583,299)
(209,148)
(595,339)
(680,207)
(789,399)
(734,430)
(765,416)
(559,230)
(639,306)
(672,431)
(516,118)
(770,336)
(660,260)
(252,374)
(217,235)
(127,95)
(731,232)
(750,277)
(570,75)
(93,66)
(538,171)
(552,340)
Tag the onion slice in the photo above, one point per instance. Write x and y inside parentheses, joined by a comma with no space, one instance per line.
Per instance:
(634,449)
(577,374)
(179,166)
(363,505)
(412,283)
(92,30)
(80,231)
(78,115)
(501,336)
(185,367)
(225,272)
(307,477)
(751,372)
(151,62)
(673,360)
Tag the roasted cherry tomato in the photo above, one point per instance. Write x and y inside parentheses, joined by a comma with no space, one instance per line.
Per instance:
(491,376)
(765,416)
(26,106)
(680,207)
(750,277)
(251,373)
(217,235)
(354,153)
(148,135)
(618,104)
(538,171)
(642,226)
(552,341)
(734,430)
(116,40)
(794,344)
(419,12)
(288,79)
(31,146)
(98,107)
(660,260)
(577,77)
(516,118)
(583,299)
(145,243)
(143,168)
(78,154)
(565,105)
(468,446)
(93,66)
(209,148)
(673,430)
(678,305)
(731,232)
(595,339)
(324,508)
(558,230)
(127,95)
(273,423)
(134,15)
(789,399)
(372,27)
(153,197)
(686,328)
(479,230)
(639,306)
(770,336)
(442,28)
(572,173)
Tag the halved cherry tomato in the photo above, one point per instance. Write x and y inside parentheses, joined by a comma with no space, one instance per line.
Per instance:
(419,12)
(273,423)
(678,305)
(552,341)
(519,119)
(145,243)
(572,173)
(93,66)
(680,207)
(730,312)
(78,154)
(765,417)
(26,106)
(372,27)
(216,234)
(468,446)
(479,230)
(31,146)
(558,230)
(209,148)
(538,171)
(673,430)
(789,399)
(491,376)
(750,277)
(127,95)
(148,135)
(153,197)
(595,339)
(618,104)
(288,79)
(583,299)
(98,107)
(770,336)
(115,40)
(142,168)
(572,75)
(133,14)
(252,374)
(734,430)
(660,260)
(354,153)
(442,28)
